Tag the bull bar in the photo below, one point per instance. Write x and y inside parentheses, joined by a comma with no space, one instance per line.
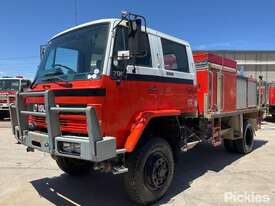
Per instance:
(93,147)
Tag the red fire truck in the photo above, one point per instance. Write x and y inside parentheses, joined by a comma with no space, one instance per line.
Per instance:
(271,103)
(117,96)
(8,88)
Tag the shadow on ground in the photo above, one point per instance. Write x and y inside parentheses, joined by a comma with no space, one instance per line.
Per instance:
(269,119)
(106,189)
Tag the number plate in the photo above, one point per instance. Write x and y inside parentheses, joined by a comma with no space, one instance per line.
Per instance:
(39,108)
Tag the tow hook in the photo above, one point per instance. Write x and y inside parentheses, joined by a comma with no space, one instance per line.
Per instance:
(29,149)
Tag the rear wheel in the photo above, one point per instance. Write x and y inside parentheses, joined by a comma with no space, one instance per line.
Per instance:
(151,170)
(73,167)
(245,145)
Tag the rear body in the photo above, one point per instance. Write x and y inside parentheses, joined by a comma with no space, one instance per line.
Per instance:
(272,99)
(216,83)
(225,98)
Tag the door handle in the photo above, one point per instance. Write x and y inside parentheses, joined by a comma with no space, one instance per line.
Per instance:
(152,89)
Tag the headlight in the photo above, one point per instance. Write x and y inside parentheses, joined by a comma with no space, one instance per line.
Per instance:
(70,147)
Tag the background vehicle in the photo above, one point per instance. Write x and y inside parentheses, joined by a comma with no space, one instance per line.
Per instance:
(116,96)
(272,99)
(8,88)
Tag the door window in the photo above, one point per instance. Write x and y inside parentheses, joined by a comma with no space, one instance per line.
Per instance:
(174,56)
(121,43)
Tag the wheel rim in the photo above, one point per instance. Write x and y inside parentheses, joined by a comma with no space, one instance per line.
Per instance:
(156,171)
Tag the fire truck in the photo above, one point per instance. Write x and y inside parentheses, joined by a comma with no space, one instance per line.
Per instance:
(8,88)
(271,103)
(116,96)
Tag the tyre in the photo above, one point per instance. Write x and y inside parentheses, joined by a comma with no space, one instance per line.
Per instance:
(73,167)
(1,116)
(150,171)
(245,145)
(229,145)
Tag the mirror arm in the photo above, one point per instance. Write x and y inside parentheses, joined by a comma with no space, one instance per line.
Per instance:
(125,15)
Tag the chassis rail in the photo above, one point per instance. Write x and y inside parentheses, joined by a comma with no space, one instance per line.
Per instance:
(93,147)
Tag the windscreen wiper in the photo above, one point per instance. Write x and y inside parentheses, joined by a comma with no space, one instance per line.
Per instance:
(57,72)
(50,78)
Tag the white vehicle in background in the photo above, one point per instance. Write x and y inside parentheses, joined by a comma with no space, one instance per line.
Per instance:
(8,88)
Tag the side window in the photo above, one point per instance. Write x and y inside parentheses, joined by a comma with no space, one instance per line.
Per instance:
(121,43)
(145,59)
(174,56)
(120,40)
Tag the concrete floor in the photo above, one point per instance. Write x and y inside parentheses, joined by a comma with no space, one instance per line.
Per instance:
(203,176)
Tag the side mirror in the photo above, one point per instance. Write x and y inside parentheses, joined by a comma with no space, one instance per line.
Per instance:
(134,36)
(42,51)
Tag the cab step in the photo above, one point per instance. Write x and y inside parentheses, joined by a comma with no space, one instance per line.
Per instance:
(119,170)
(189,145)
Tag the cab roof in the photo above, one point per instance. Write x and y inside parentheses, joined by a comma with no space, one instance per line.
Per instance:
(114,21)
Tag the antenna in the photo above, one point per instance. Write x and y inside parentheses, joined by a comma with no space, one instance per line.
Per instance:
(75,12)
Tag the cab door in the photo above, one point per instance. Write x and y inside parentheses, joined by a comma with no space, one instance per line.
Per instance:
(144,77)
(131,92)
(178,77)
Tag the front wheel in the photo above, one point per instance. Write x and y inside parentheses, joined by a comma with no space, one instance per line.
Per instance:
(150,171)
(1,116)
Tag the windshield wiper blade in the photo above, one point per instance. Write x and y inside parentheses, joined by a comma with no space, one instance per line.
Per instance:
(54,73)
(66,82)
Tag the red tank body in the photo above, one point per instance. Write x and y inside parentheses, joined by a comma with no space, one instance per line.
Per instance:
(216,79)
(272,95)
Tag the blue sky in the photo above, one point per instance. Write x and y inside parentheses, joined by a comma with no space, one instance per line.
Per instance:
(211,24)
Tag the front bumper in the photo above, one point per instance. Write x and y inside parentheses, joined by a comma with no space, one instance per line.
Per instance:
(93,147)
(4,107)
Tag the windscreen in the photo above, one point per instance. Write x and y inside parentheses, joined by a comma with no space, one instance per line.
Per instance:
(9,85)
(75,55)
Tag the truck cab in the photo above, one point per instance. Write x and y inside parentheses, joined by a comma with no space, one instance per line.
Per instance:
(82,68)
(8,88)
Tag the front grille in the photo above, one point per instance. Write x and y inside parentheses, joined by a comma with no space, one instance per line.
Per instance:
(75,124)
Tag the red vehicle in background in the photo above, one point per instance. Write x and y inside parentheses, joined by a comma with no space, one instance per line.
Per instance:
(271,103)
(120,97)
(8,88)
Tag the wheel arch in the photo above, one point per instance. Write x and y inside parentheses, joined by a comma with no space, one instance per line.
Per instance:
(160,123)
